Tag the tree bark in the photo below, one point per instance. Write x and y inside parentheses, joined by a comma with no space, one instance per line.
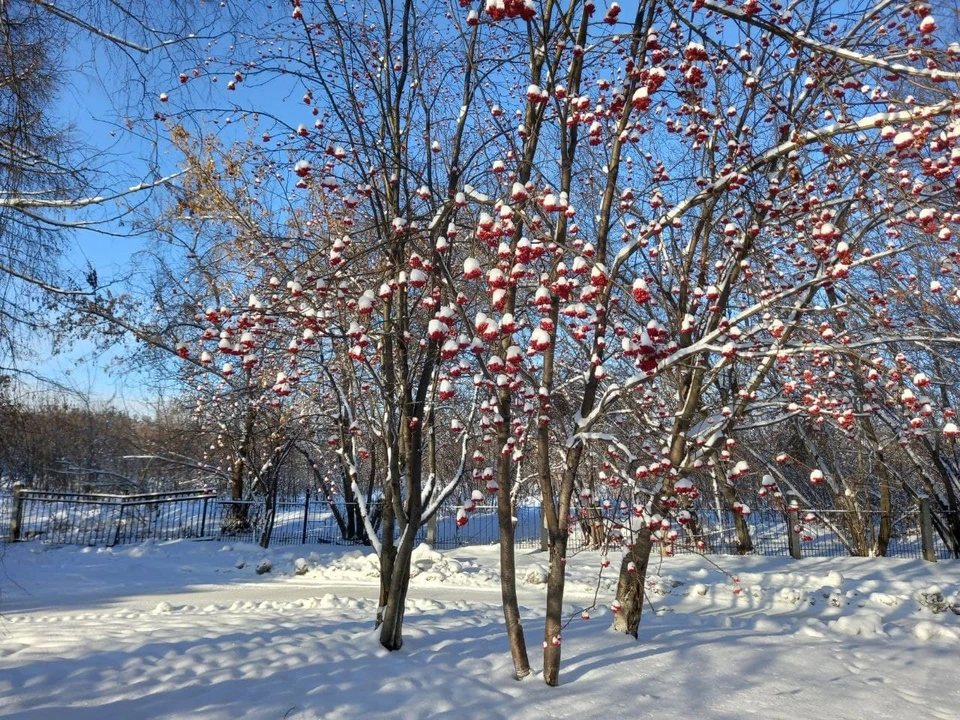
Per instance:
(508,592)
(556,581)
(391,631)
(886,513)
(744,541)
(508,562)
(237,519)
(388,552)
(630,588)
(591,525)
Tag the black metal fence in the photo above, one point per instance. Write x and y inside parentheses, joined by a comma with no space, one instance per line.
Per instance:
(772,532)
(65,518)
(98,519)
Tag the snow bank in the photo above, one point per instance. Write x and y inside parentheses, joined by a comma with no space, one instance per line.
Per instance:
(174,630)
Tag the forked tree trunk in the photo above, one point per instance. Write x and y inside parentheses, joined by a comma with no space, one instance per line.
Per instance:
(855,520)
(885,531)
(630,588)
(237,519)
(391,630)
(558,525)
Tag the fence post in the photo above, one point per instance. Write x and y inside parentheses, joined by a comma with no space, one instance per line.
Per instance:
(431,538)
(793,537)
(306,512)
(116,535)
(544,536)
(16,514)
(926,530)
(203,518)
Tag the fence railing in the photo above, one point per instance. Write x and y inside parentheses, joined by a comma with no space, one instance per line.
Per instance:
(67,518)
(98,519)
(774,532)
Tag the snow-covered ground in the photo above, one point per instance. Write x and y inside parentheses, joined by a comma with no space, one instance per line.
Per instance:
(190,630)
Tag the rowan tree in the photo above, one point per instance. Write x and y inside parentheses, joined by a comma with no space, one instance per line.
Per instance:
(740,194)
(629,241)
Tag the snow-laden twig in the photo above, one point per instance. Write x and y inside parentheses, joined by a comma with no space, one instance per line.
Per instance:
(447,490)
(182,461)
(36,282)
(602,437)
(823,48)
(18,201)
(870,122)
(111,37)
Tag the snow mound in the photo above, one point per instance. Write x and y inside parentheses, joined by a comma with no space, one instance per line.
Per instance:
(932,599)
(536,575)
(863,623)
(355,564)
(432,566)
(927,630)
(884,599)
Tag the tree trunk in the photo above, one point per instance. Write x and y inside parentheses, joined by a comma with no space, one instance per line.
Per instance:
(556,580)
(508,562)
(388,552)
(886,515)
(270,513)
(694,531)
(349,528)
(375,510)
(883,474)
(391,631)
(630,588)
(744,541)
(508,584)
(237,519)
(592,527)
(856,524)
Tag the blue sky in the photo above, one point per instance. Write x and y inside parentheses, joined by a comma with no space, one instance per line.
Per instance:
(97,122)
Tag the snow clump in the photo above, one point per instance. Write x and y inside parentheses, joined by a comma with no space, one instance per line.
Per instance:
(536,575)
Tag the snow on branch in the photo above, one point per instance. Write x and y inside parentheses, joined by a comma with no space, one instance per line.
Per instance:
(7,270)
(586,437)
(182,461)
(448,489)
(946,107)
(799,38)
(111,37)
(19,201)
